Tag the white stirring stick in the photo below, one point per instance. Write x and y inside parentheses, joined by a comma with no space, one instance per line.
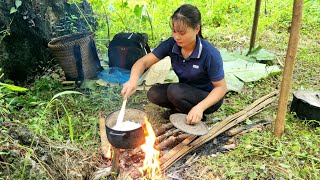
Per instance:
(121,114)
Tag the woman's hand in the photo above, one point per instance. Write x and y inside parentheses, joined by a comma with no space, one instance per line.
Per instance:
(195,115)
(137,70)
(128,89)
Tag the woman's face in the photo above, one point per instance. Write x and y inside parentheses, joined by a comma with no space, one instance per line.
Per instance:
(183,34)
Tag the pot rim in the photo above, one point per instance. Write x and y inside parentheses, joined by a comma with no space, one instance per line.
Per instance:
(142,124)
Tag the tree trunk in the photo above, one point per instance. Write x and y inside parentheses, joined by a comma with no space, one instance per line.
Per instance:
(288,68)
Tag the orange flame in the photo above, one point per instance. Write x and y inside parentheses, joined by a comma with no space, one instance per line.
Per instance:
(151,165)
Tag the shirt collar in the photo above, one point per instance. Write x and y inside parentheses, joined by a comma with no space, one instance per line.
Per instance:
(196,52)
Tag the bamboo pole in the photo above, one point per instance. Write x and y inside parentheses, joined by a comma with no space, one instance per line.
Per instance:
(288,68)
(254,25)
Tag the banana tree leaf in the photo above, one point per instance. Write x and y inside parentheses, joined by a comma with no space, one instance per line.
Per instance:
(171,77)
(248,71)
(232,56)
(233,83)
(261,55)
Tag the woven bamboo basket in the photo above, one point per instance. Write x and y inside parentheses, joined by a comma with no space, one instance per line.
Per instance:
(65,50)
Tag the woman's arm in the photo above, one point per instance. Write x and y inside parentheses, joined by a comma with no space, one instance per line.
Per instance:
(196,113)
(136,71)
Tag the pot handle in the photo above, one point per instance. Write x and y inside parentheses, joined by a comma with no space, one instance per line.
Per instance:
(116,134)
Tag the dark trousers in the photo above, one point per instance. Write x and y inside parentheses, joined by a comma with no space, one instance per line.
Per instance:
(179,96)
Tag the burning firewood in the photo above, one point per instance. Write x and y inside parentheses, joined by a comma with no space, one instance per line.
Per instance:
(172,132)
(172,141)
(129,161)
(163,129)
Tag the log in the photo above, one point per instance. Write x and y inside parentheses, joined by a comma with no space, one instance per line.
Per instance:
(115,163)
(168,159)
(163,129)
(176,149)
(105,145)
(172,132)
(171,141)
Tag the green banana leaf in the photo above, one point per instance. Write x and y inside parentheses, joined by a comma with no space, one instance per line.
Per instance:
(240,69)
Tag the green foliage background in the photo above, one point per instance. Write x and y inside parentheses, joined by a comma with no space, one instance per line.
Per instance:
(217,17)
(227,24)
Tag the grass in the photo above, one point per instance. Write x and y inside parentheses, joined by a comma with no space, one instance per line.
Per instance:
(227,24)
(261,156)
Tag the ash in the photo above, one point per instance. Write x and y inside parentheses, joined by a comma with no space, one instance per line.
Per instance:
(178,170)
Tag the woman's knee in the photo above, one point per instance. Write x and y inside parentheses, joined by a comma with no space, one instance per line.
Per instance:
(176,91)
(153,95)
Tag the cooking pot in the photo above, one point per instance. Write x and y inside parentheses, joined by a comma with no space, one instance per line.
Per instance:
(126,139)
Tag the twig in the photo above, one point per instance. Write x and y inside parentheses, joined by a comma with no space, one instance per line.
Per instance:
(263,146)
(280,63)
(247,128)
(36,157)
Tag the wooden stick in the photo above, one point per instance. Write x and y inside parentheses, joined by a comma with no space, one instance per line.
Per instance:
(115,162)
(218,129)
(68,82)
(288,68)
(254,25)
(105,145)
(238,130)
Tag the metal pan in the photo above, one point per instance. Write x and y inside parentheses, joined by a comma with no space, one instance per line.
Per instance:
(126,139)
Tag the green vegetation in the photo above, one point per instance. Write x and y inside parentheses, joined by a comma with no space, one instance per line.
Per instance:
(60,116)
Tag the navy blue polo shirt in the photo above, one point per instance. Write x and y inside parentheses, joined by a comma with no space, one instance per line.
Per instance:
(199,69)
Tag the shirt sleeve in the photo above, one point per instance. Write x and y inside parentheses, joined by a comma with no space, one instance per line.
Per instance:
(163,49)
(215,66)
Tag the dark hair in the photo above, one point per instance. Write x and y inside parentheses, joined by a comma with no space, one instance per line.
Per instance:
(189,15)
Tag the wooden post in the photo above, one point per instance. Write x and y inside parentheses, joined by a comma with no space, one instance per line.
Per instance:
(115,163)
(254,25)
(288,68)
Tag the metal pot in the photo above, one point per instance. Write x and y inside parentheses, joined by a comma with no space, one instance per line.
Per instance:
(126,139)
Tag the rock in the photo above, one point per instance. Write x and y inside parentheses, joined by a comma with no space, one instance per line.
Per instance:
(25,34)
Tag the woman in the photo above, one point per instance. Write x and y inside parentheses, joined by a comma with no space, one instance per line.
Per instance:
(196,62)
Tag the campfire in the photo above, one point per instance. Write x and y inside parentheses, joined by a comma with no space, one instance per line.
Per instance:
(166,145)
(151,164)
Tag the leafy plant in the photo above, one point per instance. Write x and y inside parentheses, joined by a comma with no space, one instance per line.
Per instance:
(15,8)
(76,2)
(8,94)
(55,99)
